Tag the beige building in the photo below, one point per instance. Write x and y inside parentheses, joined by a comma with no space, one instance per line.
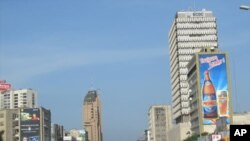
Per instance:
(160,122)
(241,118)
(179,132)
(92,116)
(9,123)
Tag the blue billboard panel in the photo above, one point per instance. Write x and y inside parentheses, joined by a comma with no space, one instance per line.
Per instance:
(214,88)
(30,124)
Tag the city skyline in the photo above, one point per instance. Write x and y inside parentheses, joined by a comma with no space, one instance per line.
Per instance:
(120,47)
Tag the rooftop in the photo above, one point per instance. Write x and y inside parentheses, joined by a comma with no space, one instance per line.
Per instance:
(91,96)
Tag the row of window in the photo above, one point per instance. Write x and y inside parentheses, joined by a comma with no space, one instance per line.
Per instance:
(196,31)
(185,58)
(183,84)
(184,97)
(185,103)
(197,38)
(196,25)
(197,44)
(196,19)
(185,110)
(187,51)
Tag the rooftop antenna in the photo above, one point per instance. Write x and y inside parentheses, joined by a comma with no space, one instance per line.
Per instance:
(92,83)
(194,2)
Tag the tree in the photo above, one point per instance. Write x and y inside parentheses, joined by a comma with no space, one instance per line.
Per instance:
(1,133)
(194,137)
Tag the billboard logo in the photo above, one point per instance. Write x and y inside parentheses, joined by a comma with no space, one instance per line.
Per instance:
(240,132)
(213,61)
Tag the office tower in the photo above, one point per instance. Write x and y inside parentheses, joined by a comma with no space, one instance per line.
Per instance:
(210,91)
(190,32)
(18,99)
(160,122)
(25,124)
(92,116)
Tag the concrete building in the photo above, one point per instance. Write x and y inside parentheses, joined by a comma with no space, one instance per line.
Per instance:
(241,118)
(179,132)
(57,132)
(25,124)
(23,98)
(76,135)
(35,123)
(209,90)
(160,122)
(190,32)
(9,123)
(92,116)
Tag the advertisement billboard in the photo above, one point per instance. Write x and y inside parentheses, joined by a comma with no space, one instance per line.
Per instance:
(214,89)
(30,124)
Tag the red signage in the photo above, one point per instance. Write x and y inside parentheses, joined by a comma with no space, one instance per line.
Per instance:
(4,86)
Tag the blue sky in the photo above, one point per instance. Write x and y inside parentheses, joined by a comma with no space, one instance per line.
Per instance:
(60,47)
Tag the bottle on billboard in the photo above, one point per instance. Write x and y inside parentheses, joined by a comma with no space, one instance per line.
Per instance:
(209,103)
(223,103)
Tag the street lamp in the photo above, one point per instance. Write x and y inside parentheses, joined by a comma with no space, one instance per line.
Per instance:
(245,7)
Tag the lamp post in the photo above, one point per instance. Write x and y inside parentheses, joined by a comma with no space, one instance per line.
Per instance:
(245,7)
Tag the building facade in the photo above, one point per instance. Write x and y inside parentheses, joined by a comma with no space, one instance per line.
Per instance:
(25,124)
(57,132)
(76,135)
(241,118)
(160,122)
(179,132)
(92,116)
(35,124)
(190,32)
(9,123)
(23,98)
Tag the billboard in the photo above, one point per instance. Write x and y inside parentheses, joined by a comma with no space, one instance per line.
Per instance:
(4,86)
(213,88)
(30,124)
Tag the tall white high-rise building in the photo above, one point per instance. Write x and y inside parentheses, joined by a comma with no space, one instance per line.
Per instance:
(190,32)
(23,98)
(160,122)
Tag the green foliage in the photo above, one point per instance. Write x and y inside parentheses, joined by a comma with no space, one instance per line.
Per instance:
(194,137)
(1,133)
